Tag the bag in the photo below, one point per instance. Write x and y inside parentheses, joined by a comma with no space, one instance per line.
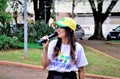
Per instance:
(59,75)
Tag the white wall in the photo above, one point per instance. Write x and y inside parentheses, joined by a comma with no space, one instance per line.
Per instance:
(87,23)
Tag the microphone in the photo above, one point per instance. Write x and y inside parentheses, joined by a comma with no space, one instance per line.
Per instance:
(50,36)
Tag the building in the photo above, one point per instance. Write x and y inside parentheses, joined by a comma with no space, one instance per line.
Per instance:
(84,16)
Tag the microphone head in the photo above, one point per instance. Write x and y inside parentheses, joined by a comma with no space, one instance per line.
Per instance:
(50,36)
(53,35)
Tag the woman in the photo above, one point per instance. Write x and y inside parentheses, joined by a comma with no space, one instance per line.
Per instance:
(64,55)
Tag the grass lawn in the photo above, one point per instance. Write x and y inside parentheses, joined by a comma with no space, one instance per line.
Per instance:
(30,45)
(34,56)
(101,65)
(98,63)
(117,41)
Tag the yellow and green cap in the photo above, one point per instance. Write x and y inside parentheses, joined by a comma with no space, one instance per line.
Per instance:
(66,22)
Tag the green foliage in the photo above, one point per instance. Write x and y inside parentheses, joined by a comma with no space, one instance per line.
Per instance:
(5,29)
(30,45)
(14,42)
(8,42)
(38,30)
(1,41)
(4,16)
(19,32)
(3,5)
(2,30)
(35,31)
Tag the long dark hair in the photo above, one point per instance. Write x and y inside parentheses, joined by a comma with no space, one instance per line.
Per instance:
(71,40)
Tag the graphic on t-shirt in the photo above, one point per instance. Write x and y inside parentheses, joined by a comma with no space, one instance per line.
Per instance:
(62,58)
(61,61)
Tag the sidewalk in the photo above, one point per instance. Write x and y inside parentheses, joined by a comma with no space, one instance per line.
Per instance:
(14,70)
(108,49)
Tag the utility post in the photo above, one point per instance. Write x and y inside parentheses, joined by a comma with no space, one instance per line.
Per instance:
(45,10)
(25,31)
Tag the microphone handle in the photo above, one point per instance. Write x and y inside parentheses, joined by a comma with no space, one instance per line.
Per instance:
(44,41)
(41,41)
(50,36)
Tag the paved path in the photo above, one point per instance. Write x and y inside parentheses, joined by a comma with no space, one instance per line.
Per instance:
(17,72)
(13,72)
(110,49)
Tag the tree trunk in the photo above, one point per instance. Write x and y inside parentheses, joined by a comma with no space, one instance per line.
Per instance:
(46,10)
(73,7)
(42,12)
(35,3)
(48,13)
(98,33)
(100,17)
(15,14)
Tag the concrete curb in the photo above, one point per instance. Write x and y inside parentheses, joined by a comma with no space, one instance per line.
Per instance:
(102,53)
(100,76)
(113,43)
(16,64)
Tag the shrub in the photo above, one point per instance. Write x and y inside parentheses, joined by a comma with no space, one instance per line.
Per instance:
(35,31)
(38,30)
(4,29)
(2,37)
(8,42)
(14,42)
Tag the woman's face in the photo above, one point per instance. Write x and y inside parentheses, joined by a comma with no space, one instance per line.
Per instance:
(61,32)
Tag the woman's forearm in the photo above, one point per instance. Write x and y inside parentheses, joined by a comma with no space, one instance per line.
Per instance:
(45,60)
(81,74)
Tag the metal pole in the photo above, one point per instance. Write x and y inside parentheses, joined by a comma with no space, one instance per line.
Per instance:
(45,10)
(53,7)
(25,31)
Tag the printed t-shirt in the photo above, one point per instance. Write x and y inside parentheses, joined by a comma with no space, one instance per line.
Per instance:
(63,63)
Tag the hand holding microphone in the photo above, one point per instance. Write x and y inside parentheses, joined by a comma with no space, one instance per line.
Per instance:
(46,38)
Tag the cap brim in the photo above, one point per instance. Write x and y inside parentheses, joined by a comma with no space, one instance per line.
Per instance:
(58,24)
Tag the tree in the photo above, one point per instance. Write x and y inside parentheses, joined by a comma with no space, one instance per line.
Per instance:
(15,5)
(42,9)
(73,7)
(4,16)
(100,17)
